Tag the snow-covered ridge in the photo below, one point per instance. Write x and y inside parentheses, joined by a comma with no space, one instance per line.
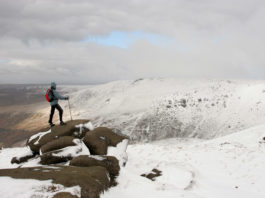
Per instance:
(153,109)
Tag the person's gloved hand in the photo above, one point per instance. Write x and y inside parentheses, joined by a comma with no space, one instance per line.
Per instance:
(67,98)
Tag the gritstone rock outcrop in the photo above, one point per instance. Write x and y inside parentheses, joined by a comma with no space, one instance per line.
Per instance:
(82,153)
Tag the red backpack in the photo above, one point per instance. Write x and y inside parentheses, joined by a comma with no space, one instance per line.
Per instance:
(49,95)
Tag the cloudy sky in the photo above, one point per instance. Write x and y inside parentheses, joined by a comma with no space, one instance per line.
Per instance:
(92,41)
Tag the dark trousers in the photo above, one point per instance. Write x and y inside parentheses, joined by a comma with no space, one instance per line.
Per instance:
(59,108)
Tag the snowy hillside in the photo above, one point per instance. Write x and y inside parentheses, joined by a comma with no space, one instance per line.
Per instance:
(209,138)
(154,109)
(231,166)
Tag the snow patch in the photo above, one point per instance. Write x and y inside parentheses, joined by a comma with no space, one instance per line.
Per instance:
(25,188)
(119,152)
(24,152)
(97,157)
(39,135)
(7,154)
(174,176)
(89,126)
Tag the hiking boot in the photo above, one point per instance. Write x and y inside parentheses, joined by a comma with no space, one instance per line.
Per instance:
(51,124)
(62,123)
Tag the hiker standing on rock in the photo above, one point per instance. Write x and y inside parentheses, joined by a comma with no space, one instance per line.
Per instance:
(53,96)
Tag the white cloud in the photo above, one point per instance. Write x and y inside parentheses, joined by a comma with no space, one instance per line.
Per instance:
(23,63)
(214,39)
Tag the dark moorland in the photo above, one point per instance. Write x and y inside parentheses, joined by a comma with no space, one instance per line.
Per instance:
(18,103)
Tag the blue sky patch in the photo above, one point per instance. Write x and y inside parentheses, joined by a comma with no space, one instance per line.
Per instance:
(125,39)
(3,61)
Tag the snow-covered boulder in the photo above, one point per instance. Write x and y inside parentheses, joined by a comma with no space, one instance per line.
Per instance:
(109,162)
(65,154)
(100,138)
(75,128)
(57,144)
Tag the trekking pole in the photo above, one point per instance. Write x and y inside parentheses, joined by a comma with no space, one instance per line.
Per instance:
(70,109)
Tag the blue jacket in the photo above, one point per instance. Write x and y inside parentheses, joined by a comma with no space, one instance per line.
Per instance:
(56,95)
